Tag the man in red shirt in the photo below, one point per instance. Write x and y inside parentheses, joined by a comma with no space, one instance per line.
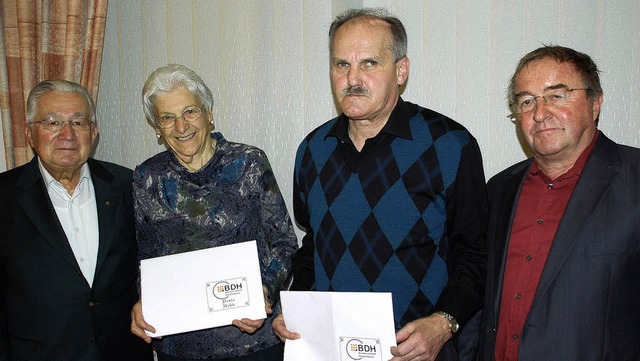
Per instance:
(563,268)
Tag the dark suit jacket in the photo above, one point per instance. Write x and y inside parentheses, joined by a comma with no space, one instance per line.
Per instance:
(586,304)
(47,309)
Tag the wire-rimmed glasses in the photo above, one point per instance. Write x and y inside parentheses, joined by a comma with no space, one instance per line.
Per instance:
(553,97)
(189,115)
(55,123)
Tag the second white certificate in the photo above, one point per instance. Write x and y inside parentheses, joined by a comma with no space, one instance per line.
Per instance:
(341,326)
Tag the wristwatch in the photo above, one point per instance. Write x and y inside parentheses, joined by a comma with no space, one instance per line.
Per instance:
(453,324)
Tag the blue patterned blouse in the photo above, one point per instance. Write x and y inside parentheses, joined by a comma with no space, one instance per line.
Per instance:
(233,198)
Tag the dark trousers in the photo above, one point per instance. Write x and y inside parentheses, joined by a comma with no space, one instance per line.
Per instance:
(273,353)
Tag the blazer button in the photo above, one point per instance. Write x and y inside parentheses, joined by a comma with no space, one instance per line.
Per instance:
(92,304)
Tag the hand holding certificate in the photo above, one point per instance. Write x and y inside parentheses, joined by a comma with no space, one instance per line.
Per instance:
(202,289)
(338,325)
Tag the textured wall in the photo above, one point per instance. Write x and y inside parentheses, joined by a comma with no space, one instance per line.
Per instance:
(267,65)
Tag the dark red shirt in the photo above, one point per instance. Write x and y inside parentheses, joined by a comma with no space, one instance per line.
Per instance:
(540,207)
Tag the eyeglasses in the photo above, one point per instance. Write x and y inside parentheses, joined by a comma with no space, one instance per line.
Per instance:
(555,97)
(189,115)
(54,123)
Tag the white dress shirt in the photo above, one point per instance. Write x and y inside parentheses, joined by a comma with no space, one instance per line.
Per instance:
(78,215)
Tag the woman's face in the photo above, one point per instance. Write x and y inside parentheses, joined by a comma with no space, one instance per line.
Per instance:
(189,141)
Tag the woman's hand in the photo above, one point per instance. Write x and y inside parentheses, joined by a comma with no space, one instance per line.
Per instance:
(250,326)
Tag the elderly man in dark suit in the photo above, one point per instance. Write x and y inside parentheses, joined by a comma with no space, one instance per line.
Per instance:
(564,231)
(68,264)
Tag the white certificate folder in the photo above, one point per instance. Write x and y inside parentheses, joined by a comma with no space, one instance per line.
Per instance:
(339,326)
(201,289)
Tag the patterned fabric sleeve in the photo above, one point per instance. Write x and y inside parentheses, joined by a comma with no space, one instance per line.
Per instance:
(280,239)
(140,198)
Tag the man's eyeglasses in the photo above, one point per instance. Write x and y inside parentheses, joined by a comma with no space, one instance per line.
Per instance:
(54,123)
(189,115)
(554,97)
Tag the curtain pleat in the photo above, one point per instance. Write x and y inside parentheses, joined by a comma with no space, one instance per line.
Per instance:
(55,39)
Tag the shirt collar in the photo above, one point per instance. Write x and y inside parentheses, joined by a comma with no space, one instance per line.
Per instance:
(397,125)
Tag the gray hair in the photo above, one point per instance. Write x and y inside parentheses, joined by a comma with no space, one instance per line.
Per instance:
(398,32)
(168,78)
(64,86)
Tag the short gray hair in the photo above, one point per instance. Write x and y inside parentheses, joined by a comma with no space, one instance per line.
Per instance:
(168,78)
(398,32)
(64,86)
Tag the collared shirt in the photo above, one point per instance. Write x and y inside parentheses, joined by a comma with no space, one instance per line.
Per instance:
(396,126)
(538,214)
(78,215)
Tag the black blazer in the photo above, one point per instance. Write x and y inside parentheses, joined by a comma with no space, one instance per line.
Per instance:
(47,309)
(586,304)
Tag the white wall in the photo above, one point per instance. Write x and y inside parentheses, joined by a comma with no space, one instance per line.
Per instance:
(267,65)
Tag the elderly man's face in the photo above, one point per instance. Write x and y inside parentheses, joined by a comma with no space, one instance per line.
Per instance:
(364,75)
(556,133)
(66,149)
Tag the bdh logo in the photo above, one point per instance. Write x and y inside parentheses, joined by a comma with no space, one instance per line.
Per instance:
(223,289)
(358,349)
(229,293)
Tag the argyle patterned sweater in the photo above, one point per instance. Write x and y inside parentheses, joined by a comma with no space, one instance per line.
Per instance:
(406,215)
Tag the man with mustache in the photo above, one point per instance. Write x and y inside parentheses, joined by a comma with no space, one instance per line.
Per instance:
(391,195)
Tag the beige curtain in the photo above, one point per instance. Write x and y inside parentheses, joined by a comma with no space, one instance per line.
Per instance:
(54,39)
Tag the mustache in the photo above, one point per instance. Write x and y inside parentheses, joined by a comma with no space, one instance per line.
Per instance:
(355,90)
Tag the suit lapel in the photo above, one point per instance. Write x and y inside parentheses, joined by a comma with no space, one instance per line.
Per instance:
(108,201)
(596,178)
(506,205)
(38,207)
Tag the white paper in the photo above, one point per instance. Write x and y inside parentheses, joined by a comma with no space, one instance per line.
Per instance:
(201,289)
(342,326)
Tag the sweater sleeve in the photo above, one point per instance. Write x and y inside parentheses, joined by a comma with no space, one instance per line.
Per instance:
(303,262)
(467,214)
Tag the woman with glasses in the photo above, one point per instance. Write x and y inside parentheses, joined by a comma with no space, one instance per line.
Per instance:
(202,192)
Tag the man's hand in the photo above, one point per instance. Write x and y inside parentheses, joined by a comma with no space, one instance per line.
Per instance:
(138,324)
(422,339)
(280,329)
